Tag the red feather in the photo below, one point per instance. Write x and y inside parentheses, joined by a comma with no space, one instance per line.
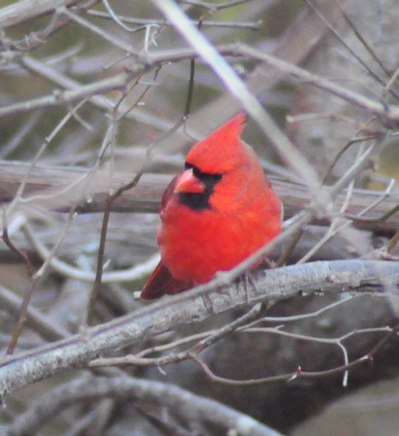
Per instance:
(238,212)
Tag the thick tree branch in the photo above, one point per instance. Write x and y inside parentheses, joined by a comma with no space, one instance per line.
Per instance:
(25,368)
(58,188)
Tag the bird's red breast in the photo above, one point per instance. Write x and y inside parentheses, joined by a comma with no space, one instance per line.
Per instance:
(215,213)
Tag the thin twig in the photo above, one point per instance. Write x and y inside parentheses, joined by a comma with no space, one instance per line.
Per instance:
(39,322)
(299,373)
(142,22)
(20,253)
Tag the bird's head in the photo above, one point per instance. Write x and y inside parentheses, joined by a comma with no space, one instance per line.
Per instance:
(210,163)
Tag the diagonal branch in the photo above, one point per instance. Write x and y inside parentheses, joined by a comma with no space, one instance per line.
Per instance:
(77,351)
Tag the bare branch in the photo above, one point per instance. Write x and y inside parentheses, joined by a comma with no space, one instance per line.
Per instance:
(36,320)
(141,22)
(192,306)
(27,9)
(189,407)
(47,188)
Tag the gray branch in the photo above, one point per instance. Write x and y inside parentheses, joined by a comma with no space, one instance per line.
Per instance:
(191,408)
(22,369)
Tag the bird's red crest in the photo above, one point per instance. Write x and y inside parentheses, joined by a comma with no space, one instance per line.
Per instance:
(223,143)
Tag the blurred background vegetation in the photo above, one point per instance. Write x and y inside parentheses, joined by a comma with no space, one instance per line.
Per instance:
(48,141)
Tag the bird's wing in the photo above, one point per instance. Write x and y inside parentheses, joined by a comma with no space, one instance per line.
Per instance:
(162,282)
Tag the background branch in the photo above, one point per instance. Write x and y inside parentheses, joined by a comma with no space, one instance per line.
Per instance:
(88,86)
(47,187)
(188,407)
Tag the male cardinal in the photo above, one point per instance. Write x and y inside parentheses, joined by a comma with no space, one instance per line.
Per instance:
(215,213)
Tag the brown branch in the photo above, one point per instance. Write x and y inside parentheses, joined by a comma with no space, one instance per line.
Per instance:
(42,324)
(299,373)
(215,6)
(20,253)
(22,318)
(47,185)
(142,22)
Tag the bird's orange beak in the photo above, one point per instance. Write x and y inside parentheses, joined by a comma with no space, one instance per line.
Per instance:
(188,183)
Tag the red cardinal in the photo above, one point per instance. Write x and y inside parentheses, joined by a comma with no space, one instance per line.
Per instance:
(215,213)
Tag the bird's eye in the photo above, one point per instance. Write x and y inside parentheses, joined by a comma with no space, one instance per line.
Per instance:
(211,177)
(197,172)
(216,177)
